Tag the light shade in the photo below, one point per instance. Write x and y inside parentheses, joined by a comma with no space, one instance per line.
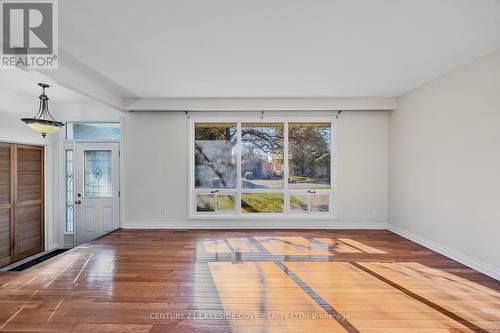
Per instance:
(43,126)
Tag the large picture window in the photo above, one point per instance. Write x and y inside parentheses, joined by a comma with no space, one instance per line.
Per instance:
(261,168)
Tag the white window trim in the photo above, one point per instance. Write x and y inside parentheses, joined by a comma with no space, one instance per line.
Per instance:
(65,137)
(284,118)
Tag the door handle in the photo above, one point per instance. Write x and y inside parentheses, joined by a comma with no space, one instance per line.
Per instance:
(78,202)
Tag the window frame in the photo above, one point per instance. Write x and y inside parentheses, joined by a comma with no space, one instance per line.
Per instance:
(238,190)
(66,139)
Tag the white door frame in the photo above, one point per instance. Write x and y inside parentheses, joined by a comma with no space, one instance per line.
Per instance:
(87,204)
(60,147)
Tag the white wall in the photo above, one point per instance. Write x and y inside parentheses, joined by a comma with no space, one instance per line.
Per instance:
(445,164)
(156,173)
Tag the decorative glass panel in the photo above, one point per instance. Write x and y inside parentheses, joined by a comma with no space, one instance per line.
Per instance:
(97,173)
(93,131)
(262,202)
(226,203)
(262,155)
(205,203)
(299,203)
(69,191)
(309,155)
(215,155)
(320,203)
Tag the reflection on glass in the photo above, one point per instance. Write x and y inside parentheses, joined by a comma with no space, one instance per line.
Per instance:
(309,155)
(262,155)
(215,155)
(299,203)
(226,203)
(97,173)
(205,203)
(319,203)
(262,202)
(93,131)
(69,190)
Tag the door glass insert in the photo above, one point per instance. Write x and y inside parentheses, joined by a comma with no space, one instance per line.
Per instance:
(309,155)
(69,191)
(299,203)
(320,203)
(97,173)
(262,202)
(215,155)
(262,155)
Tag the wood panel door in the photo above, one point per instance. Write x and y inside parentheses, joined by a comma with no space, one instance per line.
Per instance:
(6,204)
(29,201)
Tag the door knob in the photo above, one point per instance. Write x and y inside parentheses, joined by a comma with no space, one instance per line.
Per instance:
(78,202)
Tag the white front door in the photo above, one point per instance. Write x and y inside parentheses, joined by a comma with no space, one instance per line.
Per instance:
(97,184)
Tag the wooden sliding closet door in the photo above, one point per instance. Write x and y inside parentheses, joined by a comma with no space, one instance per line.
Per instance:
(6,204)
(21,201)
(29,201)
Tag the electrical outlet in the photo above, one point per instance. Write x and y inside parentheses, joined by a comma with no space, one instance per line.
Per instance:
(369,211)
(164,211)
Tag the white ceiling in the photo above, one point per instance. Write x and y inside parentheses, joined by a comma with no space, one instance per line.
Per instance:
(26,83)
(273,48)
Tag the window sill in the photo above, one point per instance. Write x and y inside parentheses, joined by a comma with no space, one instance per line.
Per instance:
(263,216)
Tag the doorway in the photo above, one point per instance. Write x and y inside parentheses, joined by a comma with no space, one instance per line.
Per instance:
(96,190)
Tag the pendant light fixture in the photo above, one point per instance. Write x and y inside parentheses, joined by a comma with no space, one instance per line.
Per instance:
(43,122)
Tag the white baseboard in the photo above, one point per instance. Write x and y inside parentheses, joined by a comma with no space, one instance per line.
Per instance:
(478,265)
(256,224)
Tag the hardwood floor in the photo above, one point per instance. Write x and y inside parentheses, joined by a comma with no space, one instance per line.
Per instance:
(249,281)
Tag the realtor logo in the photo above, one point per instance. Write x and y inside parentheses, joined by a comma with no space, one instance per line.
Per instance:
(29,34)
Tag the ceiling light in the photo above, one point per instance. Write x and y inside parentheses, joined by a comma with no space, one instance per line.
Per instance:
(43,122)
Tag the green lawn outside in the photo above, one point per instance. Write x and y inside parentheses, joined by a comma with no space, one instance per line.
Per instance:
(318,182)
(299,201)
(225,203)
(262,203)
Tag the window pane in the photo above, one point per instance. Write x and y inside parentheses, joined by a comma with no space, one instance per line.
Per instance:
(262,155)
(69,190)
(309,155)
(215,155)
(93,131)
(226,203)
(299,203)
(262,202)
(205,203)
(319,203)
(97,173)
